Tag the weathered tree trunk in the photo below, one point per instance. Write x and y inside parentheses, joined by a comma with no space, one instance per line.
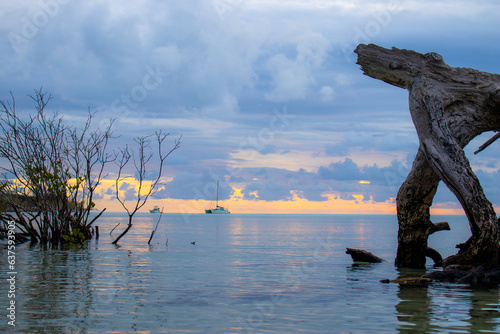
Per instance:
(449,106)
(414,200)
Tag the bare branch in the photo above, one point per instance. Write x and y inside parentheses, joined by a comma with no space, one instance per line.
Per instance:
(51,171)
(488,143)
(141,162)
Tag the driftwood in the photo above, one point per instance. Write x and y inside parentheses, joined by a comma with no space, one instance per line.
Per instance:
(409,281)
(488,143)
(359,255)
(449,106)
(472,276)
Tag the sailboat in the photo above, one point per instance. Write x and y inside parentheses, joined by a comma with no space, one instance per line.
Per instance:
(218,209)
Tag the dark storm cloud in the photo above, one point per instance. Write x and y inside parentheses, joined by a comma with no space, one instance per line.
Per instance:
(215,71)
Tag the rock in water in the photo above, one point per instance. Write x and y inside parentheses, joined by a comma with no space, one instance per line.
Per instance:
(359,255)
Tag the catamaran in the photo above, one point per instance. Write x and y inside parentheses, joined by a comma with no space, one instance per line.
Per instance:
(218,209)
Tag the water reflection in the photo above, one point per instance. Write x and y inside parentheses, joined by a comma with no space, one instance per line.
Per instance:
(484,311)
(63,291)
(420,308)
(50,286)
(414,309)
(291,271)
(443,307)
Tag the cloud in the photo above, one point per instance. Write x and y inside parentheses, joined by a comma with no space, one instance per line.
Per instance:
(291,80)
(269,191)
(214,71)
(342,171)
(341,179)
(168,57)
(489,182)
(269,149)
(388,141)
(127,191)
(327,93)
(293,73)
(198,186)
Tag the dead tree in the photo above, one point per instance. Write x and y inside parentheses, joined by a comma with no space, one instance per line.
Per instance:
(145,189)
(49,172)
(449,106)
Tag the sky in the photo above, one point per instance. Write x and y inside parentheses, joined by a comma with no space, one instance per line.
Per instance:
(266,94)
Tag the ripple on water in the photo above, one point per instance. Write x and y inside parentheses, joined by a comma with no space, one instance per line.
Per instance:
(246,273)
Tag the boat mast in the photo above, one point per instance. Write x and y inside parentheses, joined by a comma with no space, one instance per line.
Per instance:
(217,201)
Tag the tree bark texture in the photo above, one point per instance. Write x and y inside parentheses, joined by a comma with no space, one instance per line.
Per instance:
(449,106)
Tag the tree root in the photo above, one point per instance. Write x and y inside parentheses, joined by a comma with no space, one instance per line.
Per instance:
(466,275)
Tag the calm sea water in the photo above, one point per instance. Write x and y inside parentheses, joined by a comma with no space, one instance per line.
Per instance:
(243,274)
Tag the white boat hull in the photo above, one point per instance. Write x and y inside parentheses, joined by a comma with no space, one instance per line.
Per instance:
(218,211)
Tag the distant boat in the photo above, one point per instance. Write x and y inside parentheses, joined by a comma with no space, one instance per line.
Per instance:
(155,210)
(218,209)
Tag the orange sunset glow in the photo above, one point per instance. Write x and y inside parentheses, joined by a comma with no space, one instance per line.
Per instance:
(297,205)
